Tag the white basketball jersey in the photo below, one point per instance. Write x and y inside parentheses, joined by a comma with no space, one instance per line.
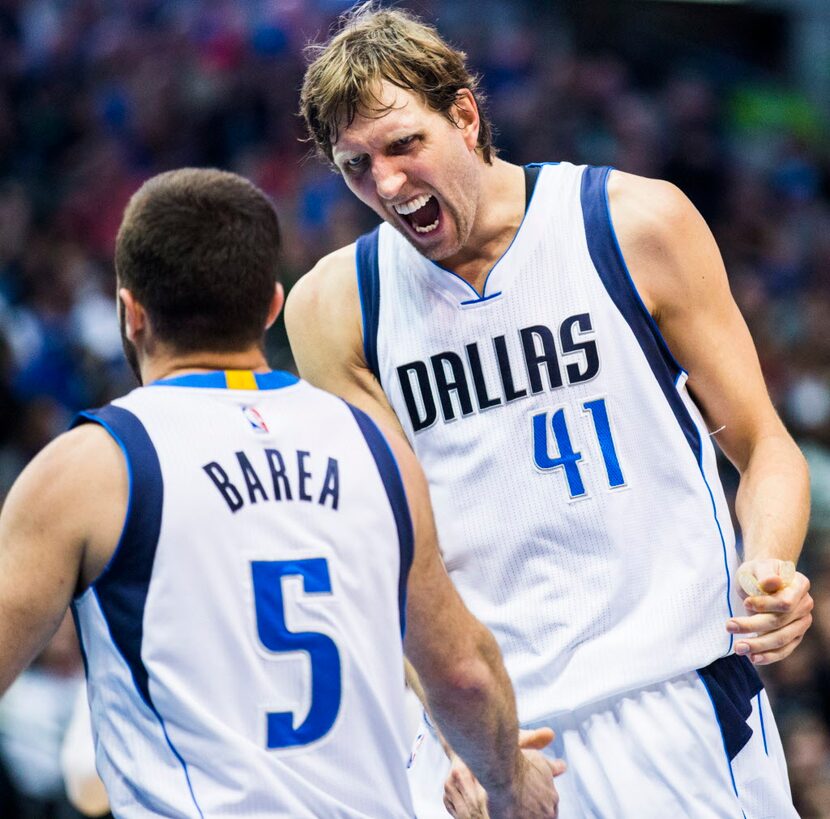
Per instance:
(573,478)
(243,646)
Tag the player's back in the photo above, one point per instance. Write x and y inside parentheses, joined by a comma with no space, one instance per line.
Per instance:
(243,646)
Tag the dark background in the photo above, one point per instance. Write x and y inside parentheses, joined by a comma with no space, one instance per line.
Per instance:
(729,100)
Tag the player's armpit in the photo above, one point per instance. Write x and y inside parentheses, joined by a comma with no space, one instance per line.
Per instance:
(58,527)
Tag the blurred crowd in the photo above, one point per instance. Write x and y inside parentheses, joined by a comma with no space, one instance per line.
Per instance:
(97,95)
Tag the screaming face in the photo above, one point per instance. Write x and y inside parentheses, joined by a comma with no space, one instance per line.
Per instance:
(416,169)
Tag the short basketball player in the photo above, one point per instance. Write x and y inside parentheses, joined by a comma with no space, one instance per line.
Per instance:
(242,553)
(560,347)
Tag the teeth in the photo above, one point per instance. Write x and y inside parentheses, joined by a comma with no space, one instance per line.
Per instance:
(427,229)
(413,204)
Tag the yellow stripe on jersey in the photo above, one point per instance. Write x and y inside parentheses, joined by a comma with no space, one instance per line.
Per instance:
(240,380)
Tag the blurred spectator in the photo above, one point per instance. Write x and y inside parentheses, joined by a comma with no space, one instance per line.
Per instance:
(96,96)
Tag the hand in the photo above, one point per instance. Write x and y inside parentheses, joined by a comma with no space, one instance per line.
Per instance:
(778,613)
(531,795)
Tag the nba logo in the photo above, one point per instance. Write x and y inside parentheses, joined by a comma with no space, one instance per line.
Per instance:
(256,421)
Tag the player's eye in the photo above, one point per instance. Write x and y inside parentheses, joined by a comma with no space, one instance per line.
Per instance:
(355,163)
(403,143)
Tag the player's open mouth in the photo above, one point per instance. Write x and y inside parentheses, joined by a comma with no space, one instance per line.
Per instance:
(422,213)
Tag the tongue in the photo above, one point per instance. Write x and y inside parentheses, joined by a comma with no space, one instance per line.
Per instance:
(426,215)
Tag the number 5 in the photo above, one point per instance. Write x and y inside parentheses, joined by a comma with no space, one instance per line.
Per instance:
(322,651)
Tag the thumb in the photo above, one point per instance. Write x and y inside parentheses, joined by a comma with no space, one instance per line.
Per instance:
(774,575)
(557,766)
(536,738)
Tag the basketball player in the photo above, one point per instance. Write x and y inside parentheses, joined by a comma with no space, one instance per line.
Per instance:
(236,546)
(560,347)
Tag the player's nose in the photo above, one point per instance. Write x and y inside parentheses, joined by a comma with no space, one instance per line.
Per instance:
(389,179)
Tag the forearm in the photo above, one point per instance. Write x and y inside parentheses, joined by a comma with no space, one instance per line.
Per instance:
(476,711)
(773,501)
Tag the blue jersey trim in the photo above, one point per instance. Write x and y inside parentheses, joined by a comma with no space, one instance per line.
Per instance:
(483,295)
(722,735)
(273,380)
(368,286)
(393,483)
(608,260)
(121,589)
(720,533)
(732,683)
(480,300)
(74,609)
(761,717)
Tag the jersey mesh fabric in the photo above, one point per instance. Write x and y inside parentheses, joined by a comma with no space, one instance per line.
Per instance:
(588,596)
(199,746)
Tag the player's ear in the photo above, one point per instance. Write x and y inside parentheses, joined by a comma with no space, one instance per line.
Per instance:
(465,114)
(132,315)
(277,301)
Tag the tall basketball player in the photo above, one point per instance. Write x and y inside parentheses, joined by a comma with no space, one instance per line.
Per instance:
(560,348)
(242,553)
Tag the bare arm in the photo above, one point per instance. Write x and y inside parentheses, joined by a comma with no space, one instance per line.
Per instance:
(457,661)
(677,267)
(59,520)
(324,323)
(462,673)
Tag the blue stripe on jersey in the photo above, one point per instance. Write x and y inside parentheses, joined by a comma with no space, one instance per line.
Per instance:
(732,683)
(608,259)
(273,380)
(392,482)
(121,589)
(368,285)
(80,634)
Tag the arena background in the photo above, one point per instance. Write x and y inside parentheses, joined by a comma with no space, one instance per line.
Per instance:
(729,100)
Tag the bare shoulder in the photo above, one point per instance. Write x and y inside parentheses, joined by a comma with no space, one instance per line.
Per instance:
(71,498)
(328,290)
(667,246)
(325,328)
(63,472)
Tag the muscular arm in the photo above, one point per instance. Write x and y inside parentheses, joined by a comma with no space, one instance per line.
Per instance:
(457,661)
(678,270)
(462,673)
(58,525)
(324,323)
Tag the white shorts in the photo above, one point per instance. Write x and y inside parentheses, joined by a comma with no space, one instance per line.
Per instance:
(702,745)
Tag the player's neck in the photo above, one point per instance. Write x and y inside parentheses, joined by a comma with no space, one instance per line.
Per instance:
(158,367)
(499,214)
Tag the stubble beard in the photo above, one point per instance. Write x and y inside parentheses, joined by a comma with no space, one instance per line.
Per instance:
(129,348)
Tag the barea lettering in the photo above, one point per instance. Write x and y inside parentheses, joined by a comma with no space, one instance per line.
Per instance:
(223,483)
(331,484)
(306,479)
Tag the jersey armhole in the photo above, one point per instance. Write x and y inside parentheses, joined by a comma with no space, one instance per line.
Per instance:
(121,588)
(390,476)
(607,258)
(368,285)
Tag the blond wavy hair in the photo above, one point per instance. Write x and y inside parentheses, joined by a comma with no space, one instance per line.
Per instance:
(372,45)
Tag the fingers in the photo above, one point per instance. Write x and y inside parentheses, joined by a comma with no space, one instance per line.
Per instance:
(464,797)
(557,766)
(780,642)
(784,600)
(770,657)
(536,738)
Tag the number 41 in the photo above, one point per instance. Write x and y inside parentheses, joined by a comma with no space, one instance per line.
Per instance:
(568,459)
